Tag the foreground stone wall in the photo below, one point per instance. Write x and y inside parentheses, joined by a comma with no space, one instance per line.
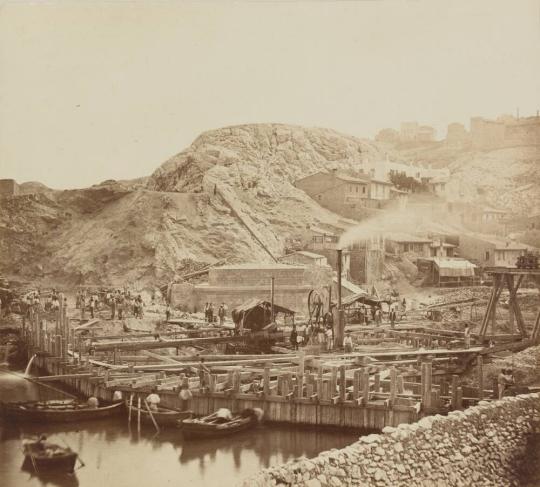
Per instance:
(481,446)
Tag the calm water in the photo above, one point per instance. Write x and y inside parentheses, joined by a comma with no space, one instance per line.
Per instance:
(116,456)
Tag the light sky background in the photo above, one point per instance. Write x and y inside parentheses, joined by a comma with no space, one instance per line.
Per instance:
(94,90)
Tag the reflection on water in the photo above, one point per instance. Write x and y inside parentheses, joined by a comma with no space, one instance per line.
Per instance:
(116,456)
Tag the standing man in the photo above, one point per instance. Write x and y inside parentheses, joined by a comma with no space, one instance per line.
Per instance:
(112,301)
(92,306)
(467,336)
(221,314)
(348,342)
(329,338)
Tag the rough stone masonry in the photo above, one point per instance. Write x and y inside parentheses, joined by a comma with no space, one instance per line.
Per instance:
(481,446)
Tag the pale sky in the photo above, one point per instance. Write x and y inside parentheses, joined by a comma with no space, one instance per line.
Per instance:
(93,90)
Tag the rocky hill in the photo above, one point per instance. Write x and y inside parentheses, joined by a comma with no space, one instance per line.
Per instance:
(229,196)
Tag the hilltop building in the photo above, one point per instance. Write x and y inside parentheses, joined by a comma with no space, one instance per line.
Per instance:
(9,187)
(506,131)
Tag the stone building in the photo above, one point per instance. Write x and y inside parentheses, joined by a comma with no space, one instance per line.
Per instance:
(234,284)
(355,197)
(8,187)
(504,132)
(491,251)
(400,243)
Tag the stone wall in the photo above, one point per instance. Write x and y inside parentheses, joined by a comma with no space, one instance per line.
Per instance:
(481,446)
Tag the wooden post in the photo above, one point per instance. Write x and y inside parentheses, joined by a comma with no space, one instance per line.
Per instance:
(480,364)
(342,383)
(356,383)
(300,385)
(366,386)
(333,381)
(139,414)
(377,382)
(393,385)
(455,386)
(266,380)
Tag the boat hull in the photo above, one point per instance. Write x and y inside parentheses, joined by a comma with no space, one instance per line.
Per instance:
(163,417)
(24,413)
(193,429)
(62,461)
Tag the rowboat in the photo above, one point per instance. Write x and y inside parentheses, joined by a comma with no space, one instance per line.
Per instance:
(213,426)
(56,411)
(163,416)
(48,456)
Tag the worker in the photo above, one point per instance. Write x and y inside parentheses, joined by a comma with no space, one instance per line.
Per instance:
(502,382)
(93,402)
(467,336)
(120,305)
(223,415)
(92,306)
(203,370)
(168,312)
(185,397)
(300,339)
(392,317)
(112,302)
(329,338)
(41,443)
(153,400)
(221,314)
(117,396)
(211,313)
(348,342)
(378,316)
(292,338)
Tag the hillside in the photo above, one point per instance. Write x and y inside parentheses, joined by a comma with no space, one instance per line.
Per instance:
(503,178)
(230,195)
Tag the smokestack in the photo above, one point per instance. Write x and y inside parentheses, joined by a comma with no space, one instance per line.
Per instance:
(340,325)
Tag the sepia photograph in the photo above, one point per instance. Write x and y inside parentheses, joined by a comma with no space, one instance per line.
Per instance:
(269,243)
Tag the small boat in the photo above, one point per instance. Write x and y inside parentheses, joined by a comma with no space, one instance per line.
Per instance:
(42,456)
(214,425)
(56,411)
(163,416)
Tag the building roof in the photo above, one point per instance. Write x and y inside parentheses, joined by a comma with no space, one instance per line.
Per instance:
(380,181)
(351,179)
(306,253)
(502,244)
(257,265)
(322,231)
(405,237)
(487,209)
(253,303)
(454,267)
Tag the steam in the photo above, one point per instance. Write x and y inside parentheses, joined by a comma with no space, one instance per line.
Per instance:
(412,221)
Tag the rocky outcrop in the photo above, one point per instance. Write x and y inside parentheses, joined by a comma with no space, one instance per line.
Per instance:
(482,446)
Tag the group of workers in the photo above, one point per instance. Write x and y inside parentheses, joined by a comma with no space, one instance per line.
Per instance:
(120,303)
(209,313)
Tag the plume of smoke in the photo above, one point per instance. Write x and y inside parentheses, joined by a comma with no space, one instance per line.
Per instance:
(408,220)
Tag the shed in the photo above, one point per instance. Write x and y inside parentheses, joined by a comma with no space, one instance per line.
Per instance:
(256,314)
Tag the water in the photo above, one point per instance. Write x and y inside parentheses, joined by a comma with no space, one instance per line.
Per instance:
(29,366)
(116,455)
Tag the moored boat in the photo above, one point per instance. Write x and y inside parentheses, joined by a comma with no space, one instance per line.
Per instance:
(56,411)
(42,456)
(163,416)
(215,425)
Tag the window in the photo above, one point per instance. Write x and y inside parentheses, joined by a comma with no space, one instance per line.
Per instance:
(486,257)
(363,189)
(356,189)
